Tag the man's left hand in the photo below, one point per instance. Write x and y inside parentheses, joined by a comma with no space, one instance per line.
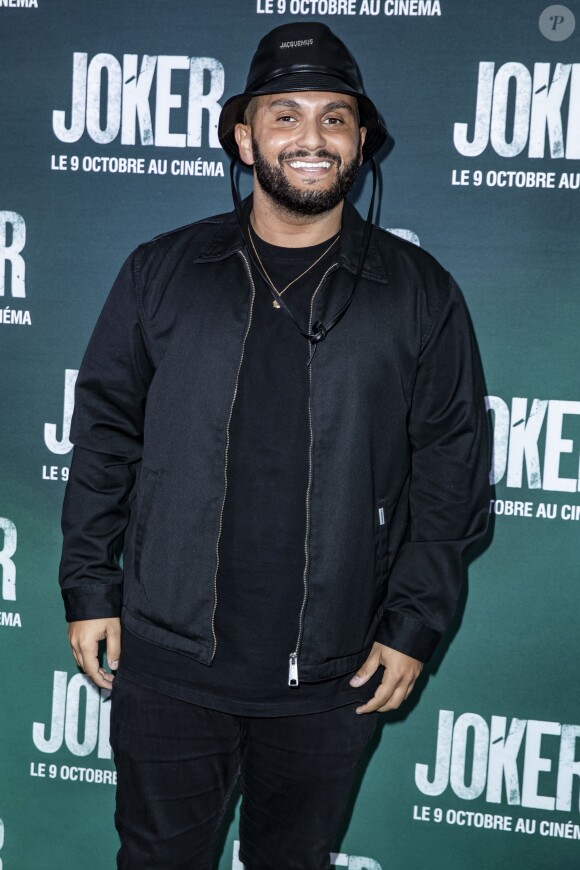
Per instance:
(401,672)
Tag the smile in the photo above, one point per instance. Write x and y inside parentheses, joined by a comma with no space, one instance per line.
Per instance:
(301,164)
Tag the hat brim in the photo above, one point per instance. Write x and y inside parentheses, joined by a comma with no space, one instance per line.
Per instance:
(233,109)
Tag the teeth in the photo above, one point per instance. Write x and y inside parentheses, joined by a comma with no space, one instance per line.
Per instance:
(300,164)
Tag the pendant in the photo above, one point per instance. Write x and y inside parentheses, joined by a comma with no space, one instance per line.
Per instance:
(275,304)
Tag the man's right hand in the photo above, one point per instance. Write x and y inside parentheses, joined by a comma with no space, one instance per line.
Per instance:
(84,637)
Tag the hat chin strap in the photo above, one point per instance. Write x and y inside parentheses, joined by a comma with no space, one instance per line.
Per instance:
(320,329)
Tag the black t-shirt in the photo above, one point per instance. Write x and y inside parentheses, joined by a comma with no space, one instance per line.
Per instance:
(260,582)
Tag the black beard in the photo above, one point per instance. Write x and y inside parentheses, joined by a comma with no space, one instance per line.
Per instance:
(274,182)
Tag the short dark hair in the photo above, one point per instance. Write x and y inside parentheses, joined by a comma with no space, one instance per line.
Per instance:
(250,110)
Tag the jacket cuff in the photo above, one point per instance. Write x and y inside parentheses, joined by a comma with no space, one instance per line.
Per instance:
(407,635)
(93,602)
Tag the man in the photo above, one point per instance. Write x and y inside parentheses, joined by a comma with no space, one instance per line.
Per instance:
(279,421)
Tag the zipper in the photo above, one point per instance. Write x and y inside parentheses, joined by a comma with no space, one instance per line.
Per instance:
(293,661)
(248,270)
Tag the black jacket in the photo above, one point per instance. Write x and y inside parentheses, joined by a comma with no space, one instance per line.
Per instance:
(398,460)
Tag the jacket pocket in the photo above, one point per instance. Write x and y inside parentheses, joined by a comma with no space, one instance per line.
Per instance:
(148,486)
(381,527)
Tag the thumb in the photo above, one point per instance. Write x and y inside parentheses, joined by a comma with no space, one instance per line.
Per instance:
(365,671)
(113,644)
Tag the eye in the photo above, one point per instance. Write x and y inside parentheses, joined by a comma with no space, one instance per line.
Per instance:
(286,118)
(333,121)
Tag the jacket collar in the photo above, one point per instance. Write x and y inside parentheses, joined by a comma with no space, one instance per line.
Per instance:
(228,240)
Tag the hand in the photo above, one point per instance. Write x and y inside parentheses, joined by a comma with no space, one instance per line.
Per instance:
(84,637)
(401,672)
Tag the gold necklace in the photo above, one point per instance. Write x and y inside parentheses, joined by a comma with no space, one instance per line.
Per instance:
(275,303)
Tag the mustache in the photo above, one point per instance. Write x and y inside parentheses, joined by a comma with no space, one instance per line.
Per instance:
(301,153)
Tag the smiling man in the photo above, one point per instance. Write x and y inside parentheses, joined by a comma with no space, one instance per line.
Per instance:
(298,130)
(292,522)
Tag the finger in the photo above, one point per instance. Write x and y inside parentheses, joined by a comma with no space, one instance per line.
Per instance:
(97,674)
(105,679)
(366,670)
(89,651)
(394,701)
(99,678)
(378,701)
(77,655)
(381,696)
(74,648)
(114,645)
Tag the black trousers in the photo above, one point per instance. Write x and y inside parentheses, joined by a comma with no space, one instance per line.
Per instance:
(177,765)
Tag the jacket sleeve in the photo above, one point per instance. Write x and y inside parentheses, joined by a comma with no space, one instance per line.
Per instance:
(449,490)
(107,434)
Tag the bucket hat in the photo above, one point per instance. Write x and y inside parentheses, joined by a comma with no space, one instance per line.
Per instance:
(302,56)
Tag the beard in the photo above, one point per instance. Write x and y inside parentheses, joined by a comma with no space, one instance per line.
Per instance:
(290,198)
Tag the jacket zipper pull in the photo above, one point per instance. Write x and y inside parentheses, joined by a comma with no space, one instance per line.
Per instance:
(293,672)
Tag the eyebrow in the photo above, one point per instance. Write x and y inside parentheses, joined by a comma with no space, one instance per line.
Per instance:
(329,107)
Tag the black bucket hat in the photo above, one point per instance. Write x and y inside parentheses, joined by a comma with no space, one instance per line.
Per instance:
(302,56)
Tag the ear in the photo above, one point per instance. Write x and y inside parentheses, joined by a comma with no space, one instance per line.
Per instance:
(243,134)
(363,136)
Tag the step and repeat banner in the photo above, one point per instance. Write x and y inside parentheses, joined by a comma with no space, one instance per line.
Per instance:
(109,116)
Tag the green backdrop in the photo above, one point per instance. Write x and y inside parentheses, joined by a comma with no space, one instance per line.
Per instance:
(108,115)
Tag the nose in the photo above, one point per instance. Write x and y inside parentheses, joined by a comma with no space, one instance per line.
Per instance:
(311,134)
